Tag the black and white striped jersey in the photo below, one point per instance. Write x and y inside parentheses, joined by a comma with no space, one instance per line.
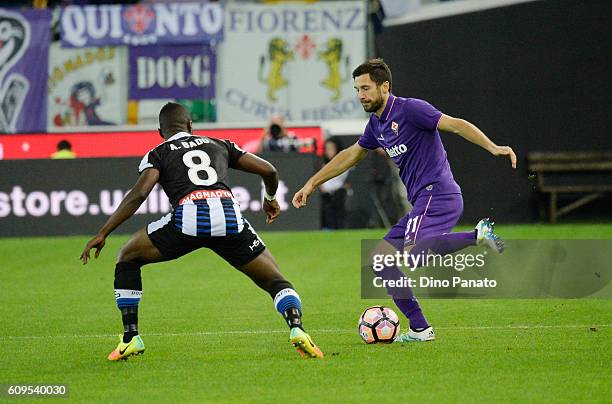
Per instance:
(193,172)
(188,164)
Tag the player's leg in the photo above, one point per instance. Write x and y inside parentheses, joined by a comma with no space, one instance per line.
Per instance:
(135,253)
(419,328)
(247,252)
(432,230)
(403,297)
(419,232)
(395,240)
(263,270)
(428,232)
(427,228)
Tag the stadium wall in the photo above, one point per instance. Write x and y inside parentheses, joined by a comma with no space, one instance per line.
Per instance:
(63,197)
(532,75)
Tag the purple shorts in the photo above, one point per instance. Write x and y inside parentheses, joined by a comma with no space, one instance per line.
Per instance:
(431,215)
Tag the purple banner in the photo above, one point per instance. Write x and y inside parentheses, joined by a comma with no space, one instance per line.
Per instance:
(24,57)
(141,24)
(178,72)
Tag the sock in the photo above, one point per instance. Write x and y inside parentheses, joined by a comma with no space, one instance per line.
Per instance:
(446,243)
(129,316)
(404,299)
(287,303)
(293,317)
(411,309)
(442,244)
(128,291)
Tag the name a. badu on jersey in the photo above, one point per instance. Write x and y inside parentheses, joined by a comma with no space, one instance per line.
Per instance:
(396,150)
(190,144)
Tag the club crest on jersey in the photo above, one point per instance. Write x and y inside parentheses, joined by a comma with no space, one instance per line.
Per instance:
(394,127)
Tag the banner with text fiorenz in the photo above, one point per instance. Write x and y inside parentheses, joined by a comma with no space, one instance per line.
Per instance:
(294,59)
(24,47)
(86,86)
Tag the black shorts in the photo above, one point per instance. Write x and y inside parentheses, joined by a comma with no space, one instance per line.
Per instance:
(237,249)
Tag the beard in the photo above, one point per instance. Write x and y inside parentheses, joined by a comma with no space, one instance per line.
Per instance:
(375,104)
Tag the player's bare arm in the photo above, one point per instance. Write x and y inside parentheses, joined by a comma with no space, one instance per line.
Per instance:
(470,132)
(344,160)
(250,163)
(129,205)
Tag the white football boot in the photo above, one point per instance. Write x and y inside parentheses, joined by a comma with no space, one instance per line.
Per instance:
(485,235)
(426,334)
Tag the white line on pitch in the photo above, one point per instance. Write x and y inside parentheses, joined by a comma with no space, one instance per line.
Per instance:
(242,332)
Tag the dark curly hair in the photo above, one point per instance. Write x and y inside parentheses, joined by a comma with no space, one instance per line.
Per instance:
(377,69)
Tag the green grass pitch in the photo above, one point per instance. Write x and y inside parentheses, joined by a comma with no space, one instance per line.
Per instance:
(213,336)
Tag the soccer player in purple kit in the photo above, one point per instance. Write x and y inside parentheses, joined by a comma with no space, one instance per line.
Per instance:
(407,129)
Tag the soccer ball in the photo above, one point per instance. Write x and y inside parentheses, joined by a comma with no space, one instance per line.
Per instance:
(378,324)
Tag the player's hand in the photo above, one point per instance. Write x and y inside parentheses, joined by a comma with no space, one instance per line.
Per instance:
(98,243)
(506,151)
(272,210)
(301,197)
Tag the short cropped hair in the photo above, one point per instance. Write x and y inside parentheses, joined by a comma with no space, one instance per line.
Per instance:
(377,69)
(173,115)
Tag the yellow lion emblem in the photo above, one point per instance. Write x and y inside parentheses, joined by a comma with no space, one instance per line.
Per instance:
(278,56)
(332,57)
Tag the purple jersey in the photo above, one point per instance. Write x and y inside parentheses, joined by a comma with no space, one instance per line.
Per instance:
(408,131)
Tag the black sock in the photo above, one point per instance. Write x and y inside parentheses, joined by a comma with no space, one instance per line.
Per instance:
(286,302)
(129,316)
(293,317)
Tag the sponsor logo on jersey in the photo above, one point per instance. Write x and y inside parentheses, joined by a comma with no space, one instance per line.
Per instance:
(205,194)
(396,150)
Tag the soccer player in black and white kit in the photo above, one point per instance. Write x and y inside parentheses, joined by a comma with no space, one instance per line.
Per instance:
(193,172)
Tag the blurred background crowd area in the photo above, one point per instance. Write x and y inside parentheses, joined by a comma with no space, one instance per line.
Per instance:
(86,79)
